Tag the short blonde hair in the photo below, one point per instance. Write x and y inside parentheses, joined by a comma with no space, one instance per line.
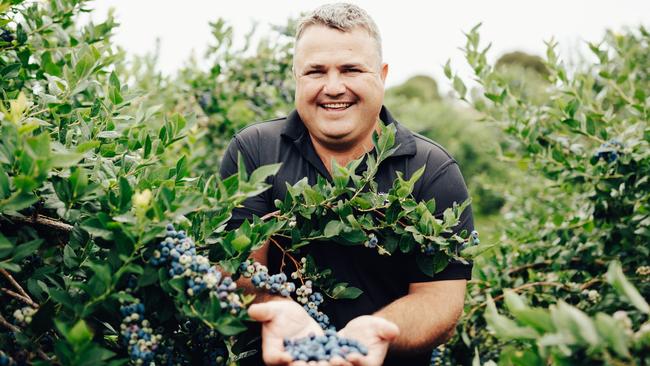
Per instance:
(341,16)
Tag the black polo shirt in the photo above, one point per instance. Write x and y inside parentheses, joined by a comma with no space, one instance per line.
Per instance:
(382,279)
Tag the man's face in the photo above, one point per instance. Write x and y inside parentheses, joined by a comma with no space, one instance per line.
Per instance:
(339,84)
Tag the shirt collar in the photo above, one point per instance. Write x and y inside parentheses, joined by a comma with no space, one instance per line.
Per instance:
(295,129)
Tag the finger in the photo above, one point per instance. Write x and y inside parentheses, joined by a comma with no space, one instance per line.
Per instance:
(276,357)
(298,363)
(273,351)
(355,359)
(261,312)
(339,361)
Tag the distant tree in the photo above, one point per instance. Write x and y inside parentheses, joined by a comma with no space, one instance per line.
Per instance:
(420,87)
(524,60)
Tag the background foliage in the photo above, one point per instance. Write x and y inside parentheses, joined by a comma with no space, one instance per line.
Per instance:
(99,151)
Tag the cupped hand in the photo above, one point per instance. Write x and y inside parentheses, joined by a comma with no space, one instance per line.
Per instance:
(281,319)
(375,333)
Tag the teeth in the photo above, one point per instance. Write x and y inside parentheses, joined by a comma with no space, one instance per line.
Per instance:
(337,105)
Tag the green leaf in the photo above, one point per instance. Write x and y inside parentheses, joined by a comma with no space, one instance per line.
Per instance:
(39,146)
(505,327)
(241,243)
(149,277)
(447,69)
(18,201)
(6,246)
(425,264)
(5,189)
(513,301)
(341,291)
(333,228)
(25,249)
(70,258)
(65,159)
(13,267)
(79,334)
(126,192)
(574,323)
(261,173)
(617,279)
(474,251)
(230,326)
(460,87)
(613,333)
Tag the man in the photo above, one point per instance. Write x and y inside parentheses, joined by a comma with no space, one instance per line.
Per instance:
(402,314)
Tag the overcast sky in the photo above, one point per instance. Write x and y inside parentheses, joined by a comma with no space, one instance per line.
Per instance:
(418,36)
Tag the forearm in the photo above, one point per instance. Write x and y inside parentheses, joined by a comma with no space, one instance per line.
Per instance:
(426,318)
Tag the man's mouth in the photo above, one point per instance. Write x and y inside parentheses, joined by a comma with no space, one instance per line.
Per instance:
(336,106)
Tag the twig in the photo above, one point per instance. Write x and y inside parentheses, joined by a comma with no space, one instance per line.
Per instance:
(43,220)
(19,297)
(8,325)
(284,253)
(547,262)
(590,283)
(11,279)
(269,215)
(529,266)
(42,355)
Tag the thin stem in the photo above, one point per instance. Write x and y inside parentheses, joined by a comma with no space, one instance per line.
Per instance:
(285,253)
(43,220)
(20,297)
(11,279)
(8,325)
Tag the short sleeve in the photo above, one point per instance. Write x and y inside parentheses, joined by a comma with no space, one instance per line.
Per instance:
(446,186)
(254,206)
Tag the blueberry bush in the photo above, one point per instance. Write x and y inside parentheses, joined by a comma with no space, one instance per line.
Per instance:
(114,247)
(571,265)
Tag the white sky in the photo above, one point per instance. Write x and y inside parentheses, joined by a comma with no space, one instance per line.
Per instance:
(418,36)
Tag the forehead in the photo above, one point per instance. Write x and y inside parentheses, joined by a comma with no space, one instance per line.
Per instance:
(322,44)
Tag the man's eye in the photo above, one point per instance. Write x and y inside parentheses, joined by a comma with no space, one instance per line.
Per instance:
(313,72)
(352,70)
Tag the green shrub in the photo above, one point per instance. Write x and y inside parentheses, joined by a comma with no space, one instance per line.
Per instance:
(586,147)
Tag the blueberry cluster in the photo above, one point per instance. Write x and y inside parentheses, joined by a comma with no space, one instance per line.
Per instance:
(371,242)
(301,271)
(323,347)
(310,301)
(259,275)
(178,253)
(24,315)
(136,333)
(609,151)
(278,284)
(311,307)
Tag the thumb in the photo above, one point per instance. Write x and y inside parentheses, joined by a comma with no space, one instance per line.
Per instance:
(387,330)
(261,312)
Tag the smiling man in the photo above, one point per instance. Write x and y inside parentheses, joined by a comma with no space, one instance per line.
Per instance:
(402,314)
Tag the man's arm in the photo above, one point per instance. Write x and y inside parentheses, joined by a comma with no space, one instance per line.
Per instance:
(427,316)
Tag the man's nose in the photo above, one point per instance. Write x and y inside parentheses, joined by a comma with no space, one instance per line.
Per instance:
(334,85)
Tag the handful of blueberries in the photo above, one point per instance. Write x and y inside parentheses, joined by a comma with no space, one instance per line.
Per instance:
(323,347)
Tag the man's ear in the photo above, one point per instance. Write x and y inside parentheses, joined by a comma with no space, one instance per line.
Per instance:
(383,72)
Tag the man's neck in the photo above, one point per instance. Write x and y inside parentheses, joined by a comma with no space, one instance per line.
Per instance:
(342,156)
